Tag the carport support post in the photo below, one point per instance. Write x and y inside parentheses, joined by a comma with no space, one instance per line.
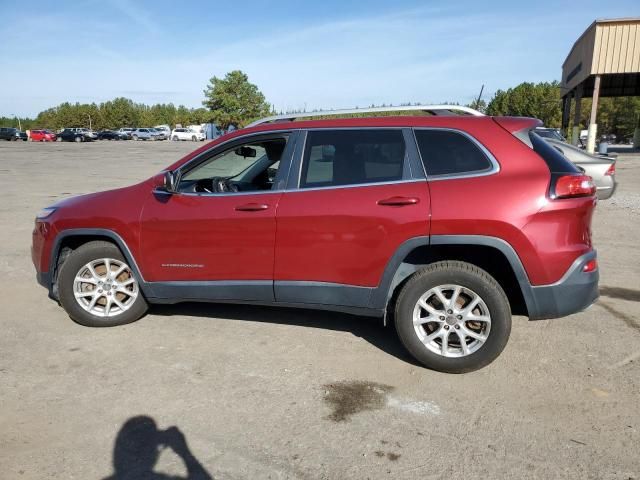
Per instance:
(575,136)
(593,127)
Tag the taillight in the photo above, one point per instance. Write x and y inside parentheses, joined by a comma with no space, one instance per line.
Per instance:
(590,266)
(611,170)
(569,186)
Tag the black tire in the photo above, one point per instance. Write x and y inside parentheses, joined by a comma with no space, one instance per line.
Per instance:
(194,139)
(70,268)
(468,276)
(175,138)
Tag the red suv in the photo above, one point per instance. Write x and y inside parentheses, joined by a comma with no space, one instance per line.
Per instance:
(446,224)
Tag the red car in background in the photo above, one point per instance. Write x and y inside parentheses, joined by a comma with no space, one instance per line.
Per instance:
(42,136)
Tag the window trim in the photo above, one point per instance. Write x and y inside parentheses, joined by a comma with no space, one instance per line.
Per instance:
(493,168)
(406,162)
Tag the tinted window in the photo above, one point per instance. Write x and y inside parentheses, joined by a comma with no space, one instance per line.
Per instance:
(347,157)
(445,152)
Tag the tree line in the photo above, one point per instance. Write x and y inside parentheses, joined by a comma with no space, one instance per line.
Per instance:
(234,100)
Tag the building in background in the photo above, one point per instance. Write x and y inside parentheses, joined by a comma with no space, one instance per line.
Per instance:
(604,62)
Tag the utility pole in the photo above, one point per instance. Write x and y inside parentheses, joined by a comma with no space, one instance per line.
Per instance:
(477,105)
(19,124)
(89,121)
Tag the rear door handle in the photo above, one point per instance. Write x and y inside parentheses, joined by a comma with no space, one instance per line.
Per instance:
(252,207)
(398,201)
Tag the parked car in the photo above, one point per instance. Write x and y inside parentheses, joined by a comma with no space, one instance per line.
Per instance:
(42,136)
(186,134)
(144,134)
(112,135)
(375,216)
(553,133)
(166,129)
(126,131)
(601,169)
(12,134)
(75,135)
(159,134)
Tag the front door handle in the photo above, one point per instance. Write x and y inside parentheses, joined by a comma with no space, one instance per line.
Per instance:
(252,207)
(398,201)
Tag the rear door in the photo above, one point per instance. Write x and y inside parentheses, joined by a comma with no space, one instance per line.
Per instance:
(353,202)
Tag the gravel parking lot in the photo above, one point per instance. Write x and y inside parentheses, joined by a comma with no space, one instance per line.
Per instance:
(277,393)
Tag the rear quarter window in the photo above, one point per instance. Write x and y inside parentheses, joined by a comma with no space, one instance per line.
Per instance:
(555,160)
(447,152)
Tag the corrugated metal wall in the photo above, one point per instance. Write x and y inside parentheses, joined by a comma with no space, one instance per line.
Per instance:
(617,48)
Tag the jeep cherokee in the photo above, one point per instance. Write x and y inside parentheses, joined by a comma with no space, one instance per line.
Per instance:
(445,224)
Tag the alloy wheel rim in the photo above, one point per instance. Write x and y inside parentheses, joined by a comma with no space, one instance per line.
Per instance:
(105,287)
(452,321)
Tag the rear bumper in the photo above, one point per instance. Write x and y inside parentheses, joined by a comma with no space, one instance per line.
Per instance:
(574,292)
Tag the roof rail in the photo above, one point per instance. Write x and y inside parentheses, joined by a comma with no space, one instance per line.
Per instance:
(433,109)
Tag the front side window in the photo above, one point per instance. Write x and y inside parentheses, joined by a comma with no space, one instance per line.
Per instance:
(351,157)
(247,167)
(446,152)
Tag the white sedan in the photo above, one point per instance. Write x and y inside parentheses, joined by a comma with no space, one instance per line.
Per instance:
(186,134)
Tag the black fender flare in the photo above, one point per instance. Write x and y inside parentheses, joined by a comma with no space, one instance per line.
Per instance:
(397,271)
(96,232)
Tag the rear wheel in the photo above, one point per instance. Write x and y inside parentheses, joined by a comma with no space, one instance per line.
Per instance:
(194,139)
(78,139)
(453,317)
(98,289)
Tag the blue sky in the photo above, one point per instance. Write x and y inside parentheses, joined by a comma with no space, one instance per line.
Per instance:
(323,54)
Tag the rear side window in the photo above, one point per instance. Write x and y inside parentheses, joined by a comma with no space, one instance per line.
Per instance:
(555,160)
(446,152)
(351,157)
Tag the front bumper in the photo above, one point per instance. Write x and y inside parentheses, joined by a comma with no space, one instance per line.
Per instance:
(574,292)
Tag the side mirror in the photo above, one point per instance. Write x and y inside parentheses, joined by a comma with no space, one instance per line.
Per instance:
(170,182)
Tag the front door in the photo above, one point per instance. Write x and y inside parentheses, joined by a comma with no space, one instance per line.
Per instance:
(215,237)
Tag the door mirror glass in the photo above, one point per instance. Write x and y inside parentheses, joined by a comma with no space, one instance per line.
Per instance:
(169,182)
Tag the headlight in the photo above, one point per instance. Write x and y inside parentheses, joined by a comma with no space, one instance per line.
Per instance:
(45,212)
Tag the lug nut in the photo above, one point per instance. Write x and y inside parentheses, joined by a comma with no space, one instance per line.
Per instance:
(442,317)
(459,317)
(457,327)
(449,312)
(99,290)
(446,327)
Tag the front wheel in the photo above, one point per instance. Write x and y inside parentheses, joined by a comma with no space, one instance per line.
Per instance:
(175,138)
(135,137)
(78,139)
(194,139)
(453,317)
(98,289)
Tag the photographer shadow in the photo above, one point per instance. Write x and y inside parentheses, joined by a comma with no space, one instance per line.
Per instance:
(138,446)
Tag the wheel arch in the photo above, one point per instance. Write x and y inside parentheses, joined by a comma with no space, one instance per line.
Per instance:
(69,240)
(492,254)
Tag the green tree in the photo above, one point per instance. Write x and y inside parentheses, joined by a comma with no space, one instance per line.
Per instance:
(233,100)
(538,100)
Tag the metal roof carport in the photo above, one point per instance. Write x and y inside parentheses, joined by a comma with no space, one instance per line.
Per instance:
(603,62)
